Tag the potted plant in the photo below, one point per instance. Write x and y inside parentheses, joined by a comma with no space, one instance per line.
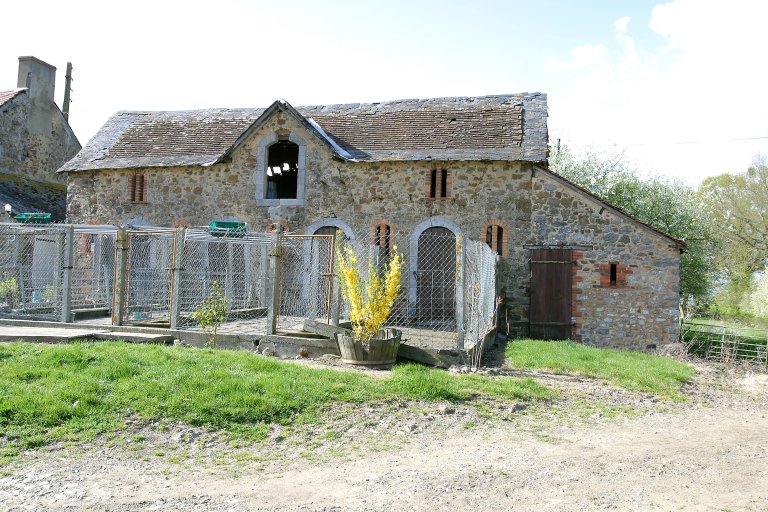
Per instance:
(370,302)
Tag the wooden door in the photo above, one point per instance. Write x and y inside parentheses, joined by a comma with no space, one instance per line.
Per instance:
(550,316)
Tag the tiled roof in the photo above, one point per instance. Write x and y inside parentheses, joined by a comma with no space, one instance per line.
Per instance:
(6,96)
(506,127)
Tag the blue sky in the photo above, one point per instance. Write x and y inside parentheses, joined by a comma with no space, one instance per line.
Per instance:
(640,77)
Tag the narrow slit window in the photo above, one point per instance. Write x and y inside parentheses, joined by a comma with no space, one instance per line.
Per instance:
(443,183)
(613,274)
(494,238)
(137,188)
(437,184)
(382,238)
(433,184)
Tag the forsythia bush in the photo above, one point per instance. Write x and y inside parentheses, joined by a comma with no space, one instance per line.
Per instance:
(370,302)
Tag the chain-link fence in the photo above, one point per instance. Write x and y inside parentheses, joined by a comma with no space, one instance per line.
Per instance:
(304,278)
(447,294)
(93,269)
(31,271)
(237,265)
(160,276)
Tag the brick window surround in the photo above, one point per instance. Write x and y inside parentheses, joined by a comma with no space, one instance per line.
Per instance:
(614,275)
(137,188)
(438,185)
(496,236)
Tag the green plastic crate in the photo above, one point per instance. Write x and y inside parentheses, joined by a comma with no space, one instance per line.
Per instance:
(227,228)
(34,218)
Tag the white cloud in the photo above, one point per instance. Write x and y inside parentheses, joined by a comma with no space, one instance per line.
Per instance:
(704,83)
(581,57)
(621,24)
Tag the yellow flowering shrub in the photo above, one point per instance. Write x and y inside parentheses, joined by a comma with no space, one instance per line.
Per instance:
(370,302)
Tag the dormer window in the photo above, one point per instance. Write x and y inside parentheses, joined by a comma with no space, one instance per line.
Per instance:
(282,170)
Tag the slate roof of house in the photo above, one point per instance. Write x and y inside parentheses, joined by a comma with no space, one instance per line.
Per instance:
(504,127)
(6,96)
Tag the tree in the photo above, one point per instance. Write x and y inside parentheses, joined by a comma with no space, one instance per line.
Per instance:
(738,207)
(668,205)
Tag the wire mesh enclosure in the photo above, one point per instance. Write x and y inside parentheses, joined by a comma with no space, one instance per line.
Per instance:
(271,281)
(448,287)
(149,261)
(32,261)
(237,265)
(304,278)
(93,268)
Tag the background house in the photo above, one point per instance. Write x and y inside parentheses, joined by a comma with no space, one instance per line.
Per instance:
(35,140)
(424,174)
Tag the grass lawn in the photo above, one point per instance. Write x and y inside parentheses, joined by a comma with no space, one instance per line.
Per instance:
(638,371)
(73,392)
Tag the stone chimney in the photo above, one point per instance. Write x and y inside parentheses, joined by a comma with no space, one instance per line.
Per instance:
(38,77)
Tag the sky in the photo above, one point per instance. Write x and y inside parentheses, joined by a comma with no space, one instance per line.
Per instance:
(679,87)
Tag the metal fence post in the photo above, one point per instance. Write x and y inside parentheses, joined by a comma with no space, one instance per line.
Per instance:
(176,267)
(66,292)
(273,285)
(118,299)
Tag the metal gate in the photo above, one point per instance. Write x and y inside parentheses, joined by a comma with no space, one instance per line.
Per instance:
(436,279)
(148,263)
(550,316)
(304,278)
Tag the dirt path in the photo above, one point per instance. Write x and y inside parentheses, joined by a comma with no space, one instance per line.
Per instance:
(711,455)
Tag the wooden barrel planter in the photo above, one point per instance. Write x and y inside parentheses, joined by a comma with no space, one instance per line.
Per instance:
(380,351)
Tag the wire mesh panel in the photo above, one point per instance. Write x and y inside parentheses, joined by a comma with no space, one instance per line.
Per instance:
(431,307)
(238,265)
(31,271)
(149,262)
(436,277)
(479,299)
(93,268)
(304,279)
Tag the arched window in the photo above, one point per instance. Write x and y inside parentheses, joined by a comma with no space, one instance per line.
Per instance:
(495,237)
(282,170)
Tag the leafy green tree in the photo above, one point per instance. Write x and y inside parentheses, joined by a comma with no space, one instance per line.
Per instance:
(668,205)
(738,207)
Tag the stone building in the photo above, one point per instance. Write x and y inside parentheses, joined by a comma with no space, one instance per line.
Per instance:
(571,265)
(35,140)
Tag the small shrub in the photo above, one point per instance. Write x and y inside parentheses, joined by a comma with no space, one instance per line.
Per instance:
(9,291)
(211,313)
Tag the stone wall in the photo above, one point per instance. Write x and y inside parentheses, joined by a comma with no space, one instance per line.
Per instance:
(35,140)
(532,208)
(639,310)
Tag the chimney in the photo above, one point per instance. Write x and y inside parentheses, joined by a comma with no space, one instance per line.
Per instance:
(38,77)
